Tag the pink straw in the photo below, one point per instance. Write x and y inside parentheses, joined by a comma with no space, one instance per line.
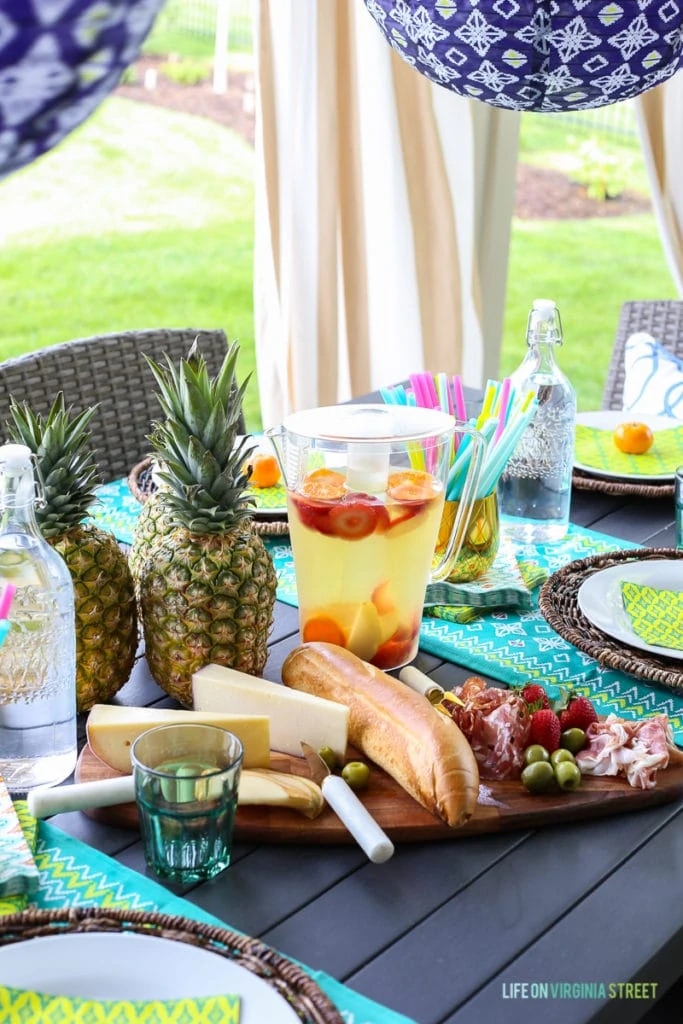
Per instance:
(420,389)
(6,598)
(504,401)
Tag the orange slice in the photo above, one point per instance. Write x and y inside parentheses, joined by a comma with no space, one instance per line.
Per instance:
(411,485)
(324,484)
(325,629)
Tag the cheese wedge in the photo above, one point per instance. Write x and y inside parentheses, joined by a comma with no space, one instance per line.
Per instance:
(294,716)
(275,789)
(112,729)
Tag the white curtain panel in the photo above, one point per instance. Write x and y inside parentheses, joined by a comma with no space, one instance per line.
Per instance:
(660,119)
(383,209)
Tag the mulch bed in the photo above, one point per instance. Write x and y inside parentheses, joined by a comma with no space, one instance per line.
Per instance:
(541,193)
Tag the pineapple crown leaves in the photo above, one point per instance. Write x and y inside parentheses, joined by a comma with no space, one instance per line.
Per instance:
(66,463)
(200,461)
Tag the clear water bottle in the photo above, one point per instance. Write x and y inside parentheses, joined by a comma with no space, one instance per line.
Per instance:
(38,655)
(534,491)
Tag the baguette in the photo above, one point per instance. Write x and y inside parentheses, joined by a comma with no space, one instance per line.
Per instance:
(395,727)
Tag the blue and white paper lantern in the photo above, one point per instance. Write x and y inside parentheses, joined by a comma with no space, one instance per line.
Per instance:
(58,60)
(545,55)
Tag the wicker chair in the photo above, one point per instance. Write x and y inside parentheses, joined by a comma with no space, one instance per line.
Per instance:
(109,370)
(663,320)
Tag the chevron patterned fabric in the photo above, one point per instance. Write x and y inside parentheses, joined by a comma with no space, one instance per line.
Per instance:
(73,874)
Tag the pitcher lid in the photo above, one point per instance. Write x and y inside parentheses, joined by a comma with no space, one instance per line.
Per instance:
(368,423)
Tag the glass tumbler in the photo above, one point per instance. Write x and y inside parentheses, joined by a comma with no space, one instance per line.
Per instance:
(186,783)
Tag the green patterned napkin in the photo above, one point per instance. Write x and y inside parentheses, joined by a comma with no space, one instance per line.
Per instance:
(18,1006)
(18,871)
(656,615)
(596,448)
(509,583)
(269,499)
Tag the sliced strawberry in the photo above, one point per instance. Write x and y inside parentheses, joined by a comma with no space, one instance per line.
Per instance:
(400,512)
(396,650)
(356,516)
(314,514)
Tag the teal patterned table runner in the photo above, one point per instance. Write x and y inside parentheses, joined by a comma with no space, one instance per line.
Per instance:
(72,874)
(508,645)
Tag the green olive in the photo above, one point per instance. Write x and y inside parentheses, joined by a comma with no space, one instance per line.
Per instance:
(356,774)
(329,757)
(538,776)
(560,755)
(568,775)
(535,753)
(573,739)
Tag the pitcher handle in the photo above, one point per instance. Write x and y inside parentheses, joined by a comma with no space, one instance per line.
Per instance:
(443,568)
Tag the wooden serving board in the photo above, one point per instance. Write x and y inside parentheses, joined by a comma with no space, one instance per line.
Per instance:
(502,805)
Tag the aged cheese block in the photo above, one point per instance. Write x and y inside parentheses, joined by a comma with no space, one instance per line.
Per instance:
(113,729)
(293,716)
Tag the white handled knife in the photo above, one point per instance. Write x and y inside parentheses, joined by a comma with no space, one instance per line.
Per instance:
(372,840)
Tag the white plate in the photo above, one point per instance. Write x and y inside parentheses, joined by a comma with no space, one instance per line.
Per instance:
(599,598)
(100,965)
(608,419)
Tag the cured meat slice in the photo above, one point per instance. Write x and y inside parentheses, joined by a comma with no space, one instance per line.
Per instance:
(637,750)
(496,723)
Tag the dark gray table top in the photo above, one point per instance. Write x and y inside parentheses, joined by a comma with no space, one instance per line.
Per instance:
(443,931)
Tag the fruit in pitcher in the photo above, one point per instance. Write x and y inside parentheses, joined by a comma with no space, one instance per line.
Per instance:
(397,649)
(324,484)
(633,438)
(324,629)
(265,471)
(411,485)
(357,516)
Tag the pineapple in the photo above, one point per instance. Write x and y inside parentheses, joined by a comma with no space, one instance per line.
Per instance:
(205,581)
(106,619)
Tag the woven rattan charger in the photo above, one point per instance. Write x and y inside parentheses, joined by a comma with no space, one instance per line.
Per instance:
(142,487)
(604,485)
(559,606)
(305,997)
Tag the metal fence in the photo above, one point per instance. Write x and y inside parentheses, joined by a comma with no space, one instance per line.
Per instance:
(617,121)
(198,18)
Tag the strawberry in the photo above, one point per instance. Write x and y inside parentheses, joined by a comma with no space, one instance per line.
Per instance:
(357,516)
(535,696)
(578,714)
(545,729)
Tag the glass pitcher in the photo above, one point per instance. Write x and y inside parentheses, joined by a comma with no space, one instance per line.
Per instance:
(365,492)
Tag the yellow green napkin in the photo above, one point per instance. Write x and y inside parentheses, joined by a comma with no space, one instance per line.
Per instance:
(656,615)
(596,448)
(18,1006)
(18,871)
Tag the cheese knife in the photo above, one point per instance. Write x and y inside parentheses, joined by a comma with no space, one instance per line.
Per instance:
(372,840)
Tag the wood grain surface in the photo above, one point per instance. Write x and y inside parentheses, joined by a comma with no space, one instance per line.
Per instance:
(502,805)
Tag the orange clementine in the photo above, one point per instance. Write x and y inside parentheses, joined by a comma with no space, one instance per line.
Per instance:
(265,471)
(324,484)
(633,438)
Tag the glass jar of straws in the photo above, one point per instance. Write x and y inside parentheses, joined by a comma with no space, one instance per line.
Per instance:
(504,416)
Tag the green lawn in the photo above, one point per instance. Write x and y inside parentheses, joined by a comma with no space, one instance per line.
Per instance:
(142,218)
(589,267)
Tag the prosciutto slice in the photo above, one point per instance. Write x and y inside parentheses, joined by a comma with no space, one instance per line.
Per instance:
(496,723)
(637,750)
